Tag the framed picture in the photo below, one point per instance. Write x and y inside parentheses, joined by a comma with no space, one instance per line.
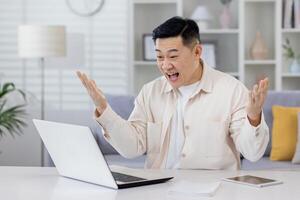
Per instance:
(209,52)
(149,53)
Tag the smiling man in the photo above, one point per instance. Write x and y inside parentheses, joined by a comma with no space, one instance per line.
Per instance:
(193,117)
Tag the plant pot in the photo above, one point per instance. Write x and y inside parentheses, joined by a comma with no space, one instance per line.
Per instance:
(259,49)
(295,66)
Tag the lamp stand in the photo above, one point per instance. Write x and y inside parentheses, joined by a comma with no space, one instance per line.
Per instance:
(42,41)
(42,66)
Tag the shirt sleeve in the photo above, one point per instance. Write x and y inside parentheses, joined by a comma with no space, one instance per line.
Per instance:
(128,137)
(250,141)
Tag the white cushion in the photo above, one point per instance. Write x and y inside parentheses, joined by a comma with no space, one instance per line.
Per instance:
(296,158)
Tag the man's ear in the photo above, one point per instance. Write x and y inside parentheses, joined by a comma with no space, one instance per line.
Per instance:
(198,50)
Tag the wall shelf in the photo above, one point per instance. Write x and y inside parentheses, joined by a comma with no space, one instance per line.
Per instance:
(145,63)
(260,62)
(291,75)
(220,31)
(291,30)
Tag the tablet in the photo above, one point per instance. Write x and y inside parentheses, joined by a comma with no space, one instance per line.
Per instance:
(253,180)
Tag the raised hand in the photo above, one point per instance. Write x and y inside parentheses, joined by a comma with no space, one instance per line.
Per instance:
(95,93)
(257,98)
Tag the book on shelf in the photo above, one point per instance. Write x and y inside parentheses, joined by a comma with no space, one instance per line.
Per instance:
(291,14)
(283,12)
(297,13)
(287,13)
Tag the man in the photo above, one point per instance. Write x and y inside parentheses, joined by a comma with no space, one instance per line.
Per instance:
(193,117)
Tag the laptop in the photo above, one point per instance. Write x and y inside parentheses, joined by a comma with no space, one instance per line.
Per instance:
(77,155)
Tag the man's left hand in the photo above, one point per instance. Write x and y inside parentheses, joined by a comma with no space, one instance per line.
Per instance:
(256,101)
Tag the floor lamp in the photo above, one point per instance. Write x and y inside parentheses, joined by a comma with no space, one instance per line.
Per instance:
(40,42)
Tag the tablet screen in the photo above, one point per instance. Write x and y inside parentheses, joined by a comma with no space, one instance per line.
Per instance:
(252,179)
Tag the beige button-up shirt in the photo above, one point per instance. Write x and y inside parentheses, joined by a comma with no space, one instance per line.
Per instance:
(216,127)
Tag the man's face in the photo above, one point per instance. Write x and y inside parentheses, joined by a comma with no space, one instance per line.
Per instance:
(178,63)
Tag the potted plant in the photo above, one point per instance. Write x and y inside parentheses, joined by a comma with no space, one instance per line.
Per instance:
(290,54)
(12,118)
(225,16)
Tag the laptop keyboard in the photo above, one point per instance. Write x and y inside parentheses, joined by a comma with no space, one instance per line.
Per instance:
(125,178)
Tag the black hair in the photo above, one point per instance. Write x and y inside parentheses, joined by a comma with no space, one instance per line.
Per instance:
(178,26)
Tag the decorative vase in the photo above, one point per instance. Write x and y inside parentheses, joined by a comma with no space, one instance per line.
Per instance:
(295,66)
(202,24)
(259,49)
(225,17)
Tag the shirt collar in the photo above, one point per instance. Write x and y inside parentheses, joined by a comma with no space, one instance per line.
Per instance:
(206,82)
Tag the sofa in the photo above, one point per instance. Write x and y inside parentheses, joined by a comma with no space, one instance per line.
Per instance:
(123,105)
(283,98)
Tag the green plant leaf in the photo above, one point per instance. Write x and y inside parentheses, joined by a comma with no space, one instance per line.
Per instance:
(288,50)
(2,105)
(10,87)
(22,93)
(7,88)
(12,119)
(285,46)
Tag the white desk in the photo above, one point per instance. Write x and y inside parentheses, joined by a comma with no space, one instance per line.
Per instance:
(35,183)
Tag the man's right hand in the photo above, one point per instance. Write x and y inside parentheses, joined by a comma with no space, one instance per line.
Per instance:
(95,93)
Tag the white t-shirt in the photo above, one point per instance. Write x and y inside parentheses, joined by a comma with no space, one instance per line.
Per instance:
(177,129)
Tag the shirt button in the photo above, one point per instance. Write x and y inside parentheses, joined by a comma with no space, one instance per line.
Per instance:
(187,127)
(183,155)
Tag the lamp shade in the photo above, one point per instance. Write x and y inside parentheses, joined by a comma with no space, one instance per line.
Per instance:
(201,13)
(40,41)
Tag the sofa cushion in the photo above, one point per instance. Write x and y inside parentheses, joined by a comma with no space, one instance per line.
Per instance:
(266,164)
(284,135)
(296,158)
(114,159)
(123,106)
(284,98)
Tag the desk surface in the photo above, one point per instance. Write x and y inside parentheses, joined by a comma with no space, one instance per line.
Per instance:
(36,183)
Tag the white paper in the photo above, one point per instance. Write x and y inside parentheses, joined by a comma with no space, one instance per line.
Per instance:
(194,188)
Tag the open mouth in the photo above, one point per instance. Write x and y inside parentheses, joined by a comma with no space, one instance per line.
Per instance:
(173,77)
